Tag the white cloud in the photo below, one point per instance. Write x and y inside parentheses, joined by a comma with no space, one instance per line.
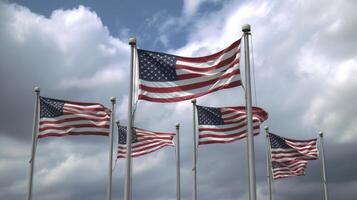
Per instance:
(101,78)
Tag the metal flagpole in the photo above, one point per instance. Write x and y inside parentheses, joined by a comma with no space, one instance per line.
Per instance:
(194,169)
(34,141)
(324,179)
(269,168)
(110,166)
(178,179)
(248,100)
(127,192)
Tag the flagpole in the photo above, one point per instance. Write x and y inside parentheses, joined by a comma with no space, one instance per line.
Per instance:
(194,169)
(248,95)
(269,174)
(178,180)
(127,192)
(323,165)
(34,140)
(110,166)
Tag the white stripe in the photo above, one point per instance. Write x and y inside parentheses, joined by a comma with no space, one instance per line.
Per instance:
(89,112)
(79,122)
(83,106)
(218,84)
(123,152)
(170,84)
(207,139)
(63,117)
(220,69)
(211,63)
(244,128)
(84,129)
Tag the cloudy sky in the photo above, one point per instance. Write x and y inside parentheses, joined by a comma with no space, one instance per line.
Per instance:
(305,58)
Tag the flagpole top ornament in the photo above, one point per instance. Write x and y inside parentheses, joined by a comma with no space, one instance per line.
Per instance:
(246,28)
(177,125)
(132,41)
(321,134)
(36,89)
(117,122)
(113,99)
(194,101)
(266,128)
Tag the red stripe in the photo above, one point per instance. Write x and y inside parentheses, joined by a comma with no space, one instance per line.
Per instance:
(183,98)
(149,147)
(221,64)
(73,133)
(84,103)
(221,142)
(235,116)
(209,57)
(67,112)
(222,129)
(44,121)
(196,75)
(144,153)
(187,87)
(293,140)
(296,158)
(74,126)
(85,109)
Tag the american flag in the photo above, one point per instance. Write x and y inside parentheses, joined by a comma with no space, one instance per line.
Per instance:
(169,78)
(59,118)
(143,141)
(226,124)
(289,157)
(288,169)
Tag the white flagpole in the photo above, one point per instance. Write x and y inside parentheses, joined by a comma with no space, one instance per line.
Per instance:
(323,165)
(178,178)
(34,141)
(269,168)
(248,95)
(110,166)
(127,192)
(194,169)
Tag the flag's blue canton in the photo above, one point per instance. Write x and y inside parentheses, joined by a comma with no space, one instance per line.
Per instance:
(278,165)
(158,67)
(278,142)
(122,130)
(209,116)
(50,108)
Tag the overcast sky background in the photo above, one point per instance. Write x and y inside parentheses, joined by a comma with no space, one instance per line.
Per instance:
(305,61)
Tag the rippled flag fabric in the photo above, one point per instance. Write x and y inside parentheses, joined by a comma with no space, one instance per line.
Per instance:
(60,118)
(288,169)
(143,141)
(170,78)
(226,124)
(289,157)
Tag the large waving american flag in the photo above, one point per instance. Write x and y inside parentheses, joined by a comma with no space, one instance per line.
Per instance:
(169,78)
(289,157)
(226,124)
(143,141)
(60,118)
